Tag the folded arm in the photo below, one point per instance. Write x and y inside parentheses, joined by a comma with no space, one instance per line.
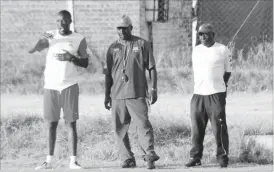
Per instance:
(83,60)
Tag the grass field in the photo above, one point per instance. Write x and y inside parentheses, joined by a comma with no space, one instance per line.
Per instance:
(252,72)
(23,132)
(249,113)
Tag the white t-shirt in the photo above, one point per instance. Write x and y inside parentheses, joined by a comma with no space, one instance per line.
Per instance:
(61,74)
(209,66)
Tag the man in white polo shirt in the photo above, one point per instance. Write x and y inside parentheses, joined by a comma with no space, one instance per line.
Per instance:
(212,69)
(66,52)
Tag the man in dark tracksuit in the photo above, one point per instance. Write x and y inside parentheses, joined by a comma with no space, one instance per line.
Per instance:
(212,68)
(127,91)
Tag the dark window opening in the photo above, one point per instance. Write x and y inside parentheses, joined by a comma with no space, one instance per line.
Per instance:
(163,7)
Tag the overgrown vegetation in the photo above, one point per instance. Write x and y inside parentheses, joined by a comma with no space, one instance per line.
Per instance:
(24,135)
(251,74)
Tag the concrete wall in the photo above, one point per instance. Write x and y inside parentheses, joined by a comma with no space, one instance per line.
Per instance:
(22,22)
(175,34)
(97,20)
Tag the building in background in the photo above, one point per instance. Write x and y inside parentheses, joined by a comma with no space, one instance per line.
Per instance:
(155,20)
(166,23)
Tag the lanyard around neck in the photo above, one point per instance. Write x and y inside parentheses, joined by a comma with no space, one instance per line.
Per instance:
(126,52)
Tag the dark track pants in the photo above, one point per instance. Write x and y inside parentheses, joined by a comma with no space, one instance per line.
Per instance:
(122,112)
(210,107)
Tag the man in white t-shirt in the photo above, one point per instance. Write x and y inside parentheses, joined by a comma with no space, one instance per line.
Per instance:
(67,51)
(212,69)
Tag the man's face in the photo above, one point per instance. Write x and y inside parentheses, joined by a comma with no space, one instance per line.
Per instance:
(124,32)
(206,38)
(63,23)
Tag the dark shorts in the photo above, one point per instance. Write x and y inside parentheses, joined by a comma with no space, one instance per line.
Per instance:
(67,99)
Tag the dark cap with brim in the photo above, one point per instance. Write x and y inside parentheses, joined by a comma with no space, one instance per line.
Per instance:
(124,21)
(206,28)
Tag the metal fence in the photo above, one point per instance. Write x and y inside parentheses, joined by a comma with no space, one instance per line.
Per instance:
(245,22)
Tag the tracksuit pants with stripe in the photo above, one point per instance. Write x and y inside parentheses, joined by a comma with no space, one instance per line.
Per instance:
(212,107)
(122,113)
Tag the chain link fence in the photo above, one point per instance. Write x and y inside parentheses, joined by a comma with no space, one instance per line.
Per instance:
(227,16)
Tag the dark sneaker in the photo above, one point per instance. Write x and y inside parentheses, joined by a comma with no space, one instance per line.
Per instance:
(151,161)
(129,163)
(193,163)
(223,163)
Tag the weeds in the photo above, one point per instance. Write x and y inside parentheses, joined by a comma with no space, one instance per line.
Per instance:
(251,72)
(252,152)
(26,136)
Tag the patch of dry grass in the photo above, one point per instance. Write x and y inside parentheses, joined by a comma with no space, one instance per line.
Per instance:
(23,134)
(252,74)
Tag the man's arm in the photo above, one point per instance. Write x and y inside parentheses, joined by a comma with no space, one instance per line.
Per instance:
(153,74)
(42,43)
(227,66)
(83,60)
(82,51)
(226,77)
(150,66)
(80,62)
(108,85)
(108,79)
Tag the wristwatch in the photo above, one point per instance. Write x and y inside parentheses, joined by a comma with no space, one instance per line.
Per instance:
(72,59)
(153,89)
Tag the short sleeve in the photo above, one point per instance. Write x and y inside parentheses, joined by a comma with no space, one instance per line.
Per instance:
(108,63)
(148,56)
(228,60)
(82,50)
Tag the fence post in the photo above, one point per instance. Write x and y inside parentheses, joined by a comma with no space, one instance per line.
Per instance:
(71,10)
(194,23)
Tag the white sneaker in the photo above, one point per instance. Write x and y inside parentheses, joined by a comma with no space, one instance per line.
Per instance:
(75,166)
(45,165)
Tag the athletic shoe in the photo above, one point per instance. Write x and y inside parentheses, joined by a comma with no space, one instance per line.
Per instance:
(75,165)
(193,162)
(151,160)
(223,162)
(129,163)
(45,165)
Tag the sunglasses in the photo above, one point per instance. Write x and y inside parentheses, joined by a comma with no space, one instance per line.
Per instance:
(201,34)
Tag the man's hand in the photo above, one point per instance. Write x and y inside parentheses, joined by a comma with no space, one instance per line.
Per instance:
(32,50)
(153,96)
(40,45)
(67,56)
(48,35)
(107,102)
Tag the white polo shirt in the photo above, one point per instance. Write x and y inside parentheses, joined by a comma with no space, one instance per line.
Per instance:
(61,74)
(209,65)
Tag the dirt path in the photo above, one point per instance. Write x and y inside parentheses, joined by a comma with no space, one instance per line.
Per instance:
(27,165)
(268,168)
